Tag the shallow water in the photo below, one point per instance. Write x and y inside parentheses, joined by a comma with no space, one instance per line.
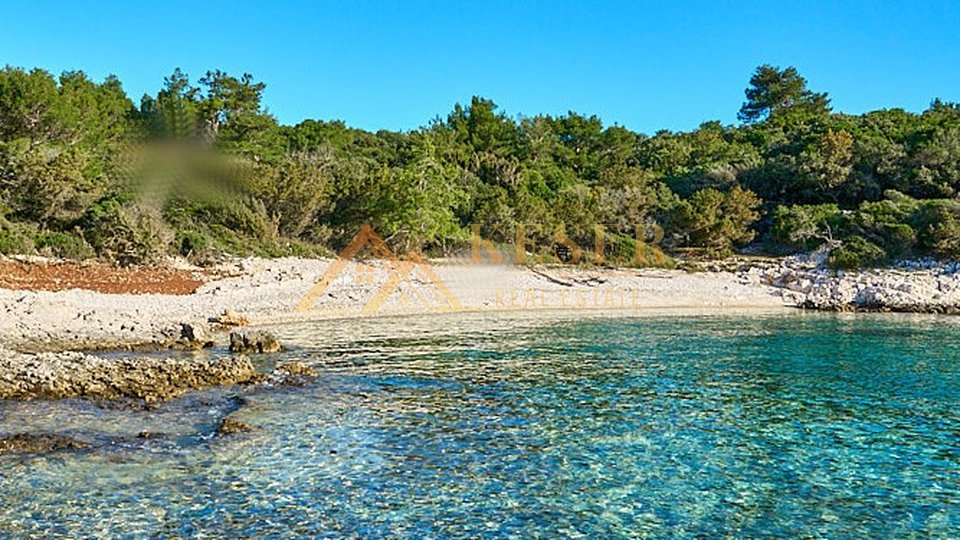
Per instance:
(499,425)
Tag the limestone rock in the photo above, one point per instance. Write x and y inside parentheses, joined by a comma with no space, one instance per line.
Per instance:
(292,374)
(69,374)
(253,342)
(29,443)
(189,336)
(230,318)
(911,286)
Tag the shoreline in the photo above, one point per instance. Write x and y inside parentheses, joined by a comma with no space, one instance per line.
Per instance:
(255,292)
(49,339)
(96,345)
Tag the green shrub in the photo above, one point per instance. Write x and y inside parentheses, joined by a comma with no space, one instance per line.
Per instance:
(899,239)
(14,242)
(945,238)
(623,252)
(196,247)
(191,242)
(126,234)
(857,252)
(937,223)
(718,221)
(64,245)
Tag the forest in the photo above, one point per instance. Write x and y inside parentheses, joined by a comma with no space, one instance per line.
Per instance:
(202,169)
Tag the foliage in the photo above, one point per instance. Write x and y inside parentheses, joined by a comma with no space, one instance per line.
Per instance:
(718,221)
(64,245)
(774,91)
(806,227)
(14,240)
(857,253)
(204,169)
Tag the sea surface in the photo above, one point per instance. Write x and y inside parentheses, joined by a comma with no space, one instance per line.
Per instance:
(668,425)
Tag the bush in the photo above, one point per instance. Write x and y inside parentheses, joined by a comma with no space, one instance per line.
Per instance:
(945,238)
(197,247)
(857,252)
(718,221)
(126,235)
(64,245)
(14,242)
(622,250)
(937,223)
(899,239)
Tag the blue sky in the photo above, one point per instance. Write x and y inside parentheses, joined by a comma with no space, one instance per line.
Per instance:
(646,65)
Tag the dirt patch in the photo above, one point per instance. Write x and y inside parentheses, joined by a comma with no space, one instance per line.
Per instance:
(99,277)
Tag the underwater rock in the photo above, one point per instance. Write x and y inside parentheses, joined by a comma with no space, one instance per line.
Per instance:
(297,368)
(30,443)
(291,374)
(232,426)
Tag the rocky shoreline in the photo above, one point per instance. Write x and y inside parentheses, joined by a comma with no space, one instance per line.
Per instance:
(42,333)
(73,374)
(37,326)
(136,384)
(147,380)
(909,287)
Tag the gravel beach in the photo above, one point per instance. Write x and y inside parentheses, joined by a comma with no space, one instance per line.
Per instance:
(44,321)
(266,291)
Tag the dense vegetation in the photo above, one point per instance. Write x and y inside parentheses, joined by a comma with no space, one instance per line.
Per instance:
(205,169)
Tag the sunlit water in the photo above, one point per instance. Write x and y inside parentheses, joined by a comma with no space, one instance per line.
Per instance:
(798,425)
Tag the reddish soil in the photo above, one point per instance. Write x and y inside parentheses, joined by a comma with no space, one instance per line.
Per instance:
(99,277)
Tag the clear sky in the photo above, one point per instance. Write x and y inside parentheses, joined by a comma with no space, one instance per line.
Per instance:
(646,65)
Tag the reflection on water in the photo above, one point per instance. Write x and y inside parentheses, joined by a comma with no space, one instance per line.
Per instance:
(496,425)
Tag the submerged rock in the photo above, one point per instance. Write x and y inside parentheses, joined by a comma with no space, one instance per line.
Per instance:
(291,374)
(232,426)
(29,443)
(253,342)
(297,368)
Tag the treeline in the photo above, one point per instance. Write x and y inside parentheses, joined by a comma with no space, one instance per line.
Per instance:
(203,169)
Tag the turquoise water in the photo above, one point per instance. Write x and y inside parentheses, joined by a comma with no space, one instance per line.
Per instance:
(797,425)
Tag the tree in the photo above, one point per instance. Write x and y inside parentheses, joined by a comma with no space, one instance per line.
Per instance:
(90,113)
(231,113)
(718,221)
(807,227)
(28,105)
(69,174)
(773,90)
(174,111)
(298,192)
(829,165)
